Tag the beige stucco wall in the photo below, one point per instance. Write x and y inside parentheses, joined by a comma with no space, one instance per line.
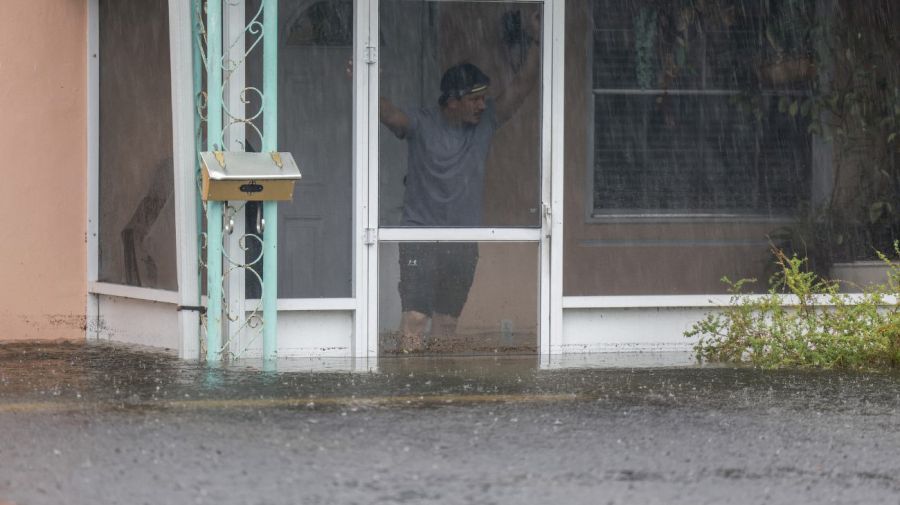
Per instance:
(43,167)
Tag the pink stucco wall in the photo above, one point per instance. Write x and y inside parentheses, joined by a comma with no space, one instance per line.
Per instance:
(43,165)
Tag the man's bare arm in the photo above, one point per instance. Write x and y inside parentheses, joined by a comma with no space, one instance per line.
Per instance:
(391,116)
(513,92)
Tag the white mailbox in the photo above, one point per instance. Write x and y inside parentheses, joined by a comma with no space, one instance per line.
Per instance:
(235,175)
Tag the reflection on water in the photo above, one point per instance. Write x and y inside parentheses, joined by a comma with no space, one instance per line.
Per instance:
(91,376)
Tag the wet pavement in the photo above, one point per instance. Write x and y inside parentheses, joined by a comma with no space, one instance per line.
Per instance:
(107,424)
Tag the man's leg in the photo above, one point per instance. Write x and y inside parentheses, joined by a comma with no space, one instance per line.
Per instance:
(443,325)
(412,331)
(457,262)
(416,280)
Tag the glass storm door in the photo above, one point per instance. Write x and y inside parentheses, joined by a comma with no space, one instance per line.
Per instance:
(457,224)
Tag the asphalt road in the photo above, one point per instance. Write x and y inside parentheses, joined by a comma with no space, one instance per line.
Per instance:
(98,424)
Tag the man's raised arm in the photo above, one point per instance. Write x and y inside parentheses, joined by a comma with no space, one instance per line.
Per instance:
(513,91)
(391,116)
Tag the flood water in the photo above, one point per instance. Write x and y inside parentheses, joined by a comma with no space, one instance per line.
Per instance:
(92,423)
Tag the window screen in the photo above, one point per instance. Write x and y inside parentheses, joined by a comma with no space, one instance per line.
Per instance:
(689,108)
(137,211)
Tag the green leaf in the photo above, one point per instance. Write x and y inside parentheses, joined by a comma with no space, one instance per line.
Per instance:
(833,101)
(876,210)
(891,137)
(680,56)
(806,107)
(793,108)
(782,104)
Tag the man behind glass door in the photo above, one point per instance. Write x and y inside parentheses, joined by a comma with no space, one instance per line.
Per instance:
(447,148)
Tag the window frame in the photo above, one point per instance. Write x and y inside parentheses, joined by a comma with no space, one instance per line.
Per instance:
(619,216)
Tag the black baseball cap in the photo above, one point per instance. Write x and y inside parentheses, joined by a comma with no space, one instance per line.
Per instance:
(461,80)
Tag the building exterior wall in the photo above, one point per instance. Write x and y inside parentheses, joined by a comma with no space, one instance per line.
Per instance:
(643,256)
(43,140)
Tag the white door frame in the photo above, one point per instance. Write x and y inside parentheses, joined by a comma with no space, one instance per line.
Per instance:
(128,313)
(370,234)
(556,80)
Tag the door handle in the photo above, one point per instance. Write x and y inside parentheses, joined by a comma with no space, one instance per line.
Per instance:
(547,211)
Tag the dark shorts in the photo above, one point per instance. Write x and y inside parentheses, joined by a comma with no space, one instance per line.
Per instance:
(436,276)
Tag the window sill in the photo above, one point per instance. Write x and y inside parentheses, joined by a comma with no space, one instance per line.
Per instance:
(667,218)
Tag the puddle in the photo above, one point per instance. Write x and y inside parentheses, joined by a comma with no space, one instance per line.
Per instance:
(91,374)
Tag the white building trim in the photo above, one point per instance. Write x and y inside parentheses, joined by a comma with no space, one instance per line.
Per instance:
(183,160)
(92,308)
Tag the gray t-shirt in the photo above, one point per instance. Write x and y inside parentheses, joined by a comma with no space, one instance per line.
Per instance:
(445,178)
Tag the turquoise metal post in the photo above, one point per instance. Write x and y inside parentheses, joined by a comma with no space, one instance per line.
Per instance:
(214,209)
(214,280)
(270,209)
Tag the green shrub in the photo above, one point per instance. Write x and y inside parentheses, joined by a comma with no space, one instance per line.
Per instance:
(817,327)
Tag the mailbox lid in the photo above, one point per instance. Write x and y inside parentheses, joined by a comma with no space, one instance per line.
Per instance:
(237,165)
